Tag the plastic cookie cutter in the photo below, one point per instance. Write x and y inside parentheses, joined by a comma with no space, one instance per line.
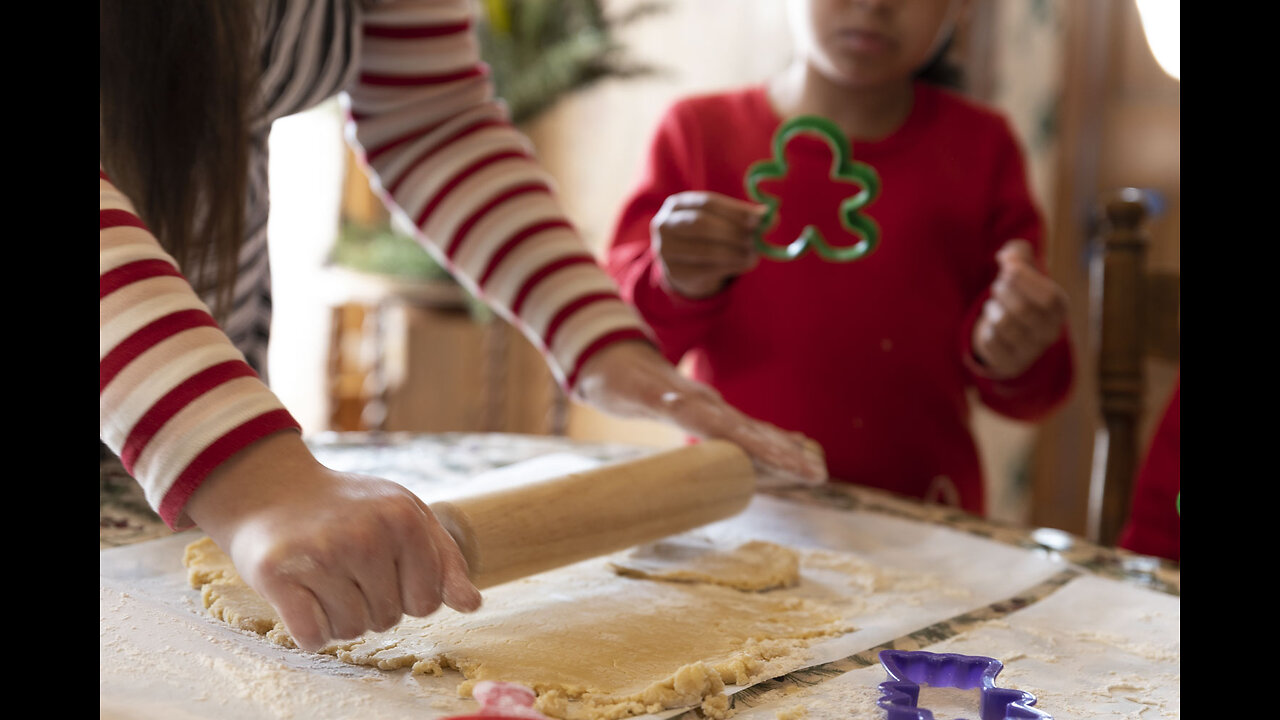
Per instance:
(909,669)
(843,168)
(502,701)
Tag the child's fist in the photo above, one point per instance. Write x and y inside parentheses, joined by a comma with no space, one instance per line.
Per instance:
(1023,316)
(703,239)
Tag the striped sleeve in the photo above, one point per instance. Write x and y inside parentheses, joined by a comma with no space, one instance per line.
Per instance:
(447,162)
(176,397)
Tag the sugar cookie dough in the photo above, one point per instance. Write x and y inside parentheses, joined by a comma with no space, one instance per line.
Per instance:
(593,644)
(753,565)
(226,596)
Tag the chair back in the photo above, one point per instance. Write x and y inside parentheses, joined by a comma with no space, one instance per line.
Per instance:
(1134,314)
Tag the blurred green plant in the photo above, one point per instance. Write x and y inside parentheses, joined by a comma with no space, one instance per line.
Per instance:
(540,50)
(385,251)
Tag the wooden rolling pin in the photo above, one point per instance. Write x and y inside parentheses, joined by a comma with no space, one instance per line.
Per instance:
(517,532)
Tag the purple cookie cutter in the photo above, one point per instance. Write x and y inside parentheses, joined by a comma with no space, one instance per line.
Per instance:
(909,669)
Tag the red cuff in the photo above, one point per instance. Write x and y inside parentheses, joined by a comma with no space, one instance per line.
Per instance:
(596,346)
(171,507)
(967,358)
(1040,388)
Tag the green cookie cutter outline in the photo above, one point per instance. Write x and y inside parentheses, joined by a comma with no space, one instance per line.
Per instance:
(843,167)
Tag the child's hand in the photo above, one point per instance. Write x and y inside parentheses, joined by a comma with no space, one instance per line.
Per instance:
(1023,316)
(703,239)
(335,554)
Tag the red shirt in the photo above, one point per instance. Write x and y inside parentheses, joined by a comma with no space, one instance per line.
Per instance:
(870,358)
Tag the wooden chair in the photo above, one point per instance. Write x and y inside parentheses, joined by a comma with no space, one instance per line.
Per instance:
(1135,316)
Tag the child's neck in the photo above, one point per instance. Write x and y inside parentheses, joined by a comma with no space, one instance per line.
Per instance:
(871,113)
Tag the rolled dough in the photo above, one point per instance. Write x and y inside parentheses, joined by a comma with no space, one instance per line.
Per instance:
(593,644)
(753,565)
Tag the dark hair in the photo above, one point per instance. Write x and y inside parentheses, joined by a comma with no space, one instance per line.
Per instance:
(941,70)
(175,83)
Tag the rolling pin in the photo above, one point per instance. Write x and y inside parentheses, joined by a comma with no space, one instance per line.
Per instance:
(516,532)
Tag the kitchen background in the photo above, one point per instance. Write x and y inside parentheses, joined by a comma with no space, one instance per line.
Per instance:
(370,334)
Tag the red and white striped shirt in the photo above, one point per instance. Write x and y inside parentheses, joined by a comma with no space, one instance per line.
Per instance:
(177,395)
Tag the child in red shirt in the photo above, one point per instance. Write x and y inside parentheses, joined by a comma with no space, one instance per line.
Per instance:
(873,358)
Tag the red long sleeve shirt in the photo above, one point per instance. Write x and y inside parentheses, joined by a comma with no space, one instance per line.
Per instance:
(870,358)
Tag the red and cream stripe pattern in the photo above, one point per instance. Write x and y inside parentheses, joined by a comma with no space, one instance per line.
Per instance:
(176,396)
(449,164)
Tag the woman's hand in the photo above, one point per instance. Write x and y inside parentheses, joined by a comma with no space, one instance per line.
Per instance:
(335,554)
(1023,316)
(632,379)
(703,239)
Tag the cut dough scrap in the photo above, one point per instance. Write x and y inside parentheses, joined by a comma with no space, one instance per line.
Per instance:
(593,645)
(227,596)
(753,565)
(238,605)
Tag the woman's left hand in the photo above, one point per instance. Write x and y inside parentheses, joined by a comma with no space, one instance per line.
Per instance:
(1023,316)
(631,379)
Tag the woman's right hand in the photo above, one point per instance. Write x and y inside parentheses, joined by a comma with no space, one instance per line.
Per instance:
(335,554)
(704,239)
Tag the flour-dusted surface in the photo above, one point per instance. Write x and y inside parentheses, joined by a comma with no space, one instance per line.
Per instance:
(1096,648)
(161,657)
(903,575)
(850,696)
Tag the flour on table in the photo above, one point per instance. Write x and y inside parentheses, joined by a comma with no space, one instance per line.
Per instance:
(1094,648)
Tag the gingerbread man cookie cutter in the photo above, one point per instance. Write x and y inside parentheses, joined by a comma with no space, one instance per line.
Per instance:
(843,168)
